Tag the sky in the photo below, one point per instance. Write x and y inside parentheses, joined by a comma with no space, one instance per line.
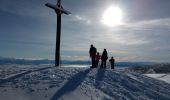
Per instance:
(28,30)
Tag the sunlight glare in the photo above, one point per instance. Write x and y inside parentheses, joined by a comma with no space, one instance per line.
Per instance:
(112,16)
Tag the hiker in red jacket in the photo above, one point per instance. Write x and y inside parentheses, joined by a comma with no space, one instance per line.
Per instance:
(97,59)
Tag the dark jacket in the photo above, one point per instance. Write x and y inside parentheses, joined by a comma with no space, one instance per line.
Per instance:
(104,55)
(92,51)
(112,60)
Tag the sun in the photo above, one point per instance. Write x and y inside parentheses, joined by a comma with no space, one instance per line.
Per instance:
(112,16)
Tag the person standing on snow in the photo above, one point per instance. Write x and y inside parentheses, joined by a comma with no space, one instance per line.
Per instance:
(104,58)
(92,53)
(97,59)
(112,62)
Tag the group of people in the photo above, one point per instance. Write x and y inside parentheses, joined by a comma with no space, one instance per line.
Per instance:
(96,57)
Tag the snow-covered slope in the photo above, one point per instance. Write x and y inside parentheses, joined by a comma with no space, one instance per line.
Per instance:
(51,83)
(164,77)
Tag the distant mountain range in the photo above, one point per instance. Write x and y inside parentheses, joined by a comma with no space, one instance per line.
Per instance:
(46,61)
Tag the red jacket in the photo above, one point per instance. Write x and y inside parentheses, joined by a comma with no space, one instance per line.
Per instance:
(98,57)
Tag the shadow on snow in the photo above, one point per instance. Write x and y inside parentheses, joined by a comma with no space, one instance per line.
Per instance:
(71,85)
(10,79)
(99,77)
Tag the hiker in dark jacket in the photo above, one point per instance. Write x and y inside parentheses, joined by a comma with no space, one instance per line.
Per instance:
(92,53)
(112,62)
(104,58)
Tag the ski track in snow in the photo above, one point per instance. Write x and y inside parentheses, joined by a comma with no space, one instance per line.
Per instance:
(51,83)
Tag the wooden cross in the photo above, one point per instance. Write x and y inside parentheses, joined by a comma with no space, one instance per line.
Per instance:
(59,11)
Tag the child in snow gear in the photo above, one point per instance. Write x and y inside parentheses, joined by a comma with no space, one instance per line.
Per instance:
(92,53)
(112,62)
(97,59)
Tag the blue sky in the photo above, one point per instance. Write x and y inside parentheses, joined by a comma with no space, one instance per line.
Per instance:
(28,29)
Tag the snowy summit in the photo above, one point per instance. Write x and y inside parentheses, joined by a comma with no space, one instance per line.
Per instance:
(51,83)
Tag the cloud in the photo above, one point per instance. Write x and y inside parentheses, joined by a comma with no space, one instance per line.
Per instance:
(119,51)
(149,24)
(83,27)
(79,18)
(139,33)
(21,8)
(28,9)
(128,58)
(138,58)
(74,58)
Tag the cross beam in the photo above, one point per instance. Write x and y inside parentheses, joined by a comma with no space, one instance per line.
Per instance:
(59,11)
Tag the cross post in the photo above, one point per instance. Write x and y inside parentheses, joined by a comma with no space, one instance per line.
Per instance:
(59,11)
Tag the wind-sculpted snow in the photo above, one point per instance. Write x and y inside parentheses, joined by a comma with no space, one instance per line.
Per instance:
(82,84)
(164,77)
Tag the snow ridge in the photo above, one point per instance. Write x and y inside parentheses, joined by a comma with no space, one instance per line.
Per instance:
(83,84)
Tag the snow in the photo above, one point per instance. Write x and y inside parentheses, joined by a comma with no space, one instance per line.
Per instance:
(45,82)
(163,77)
